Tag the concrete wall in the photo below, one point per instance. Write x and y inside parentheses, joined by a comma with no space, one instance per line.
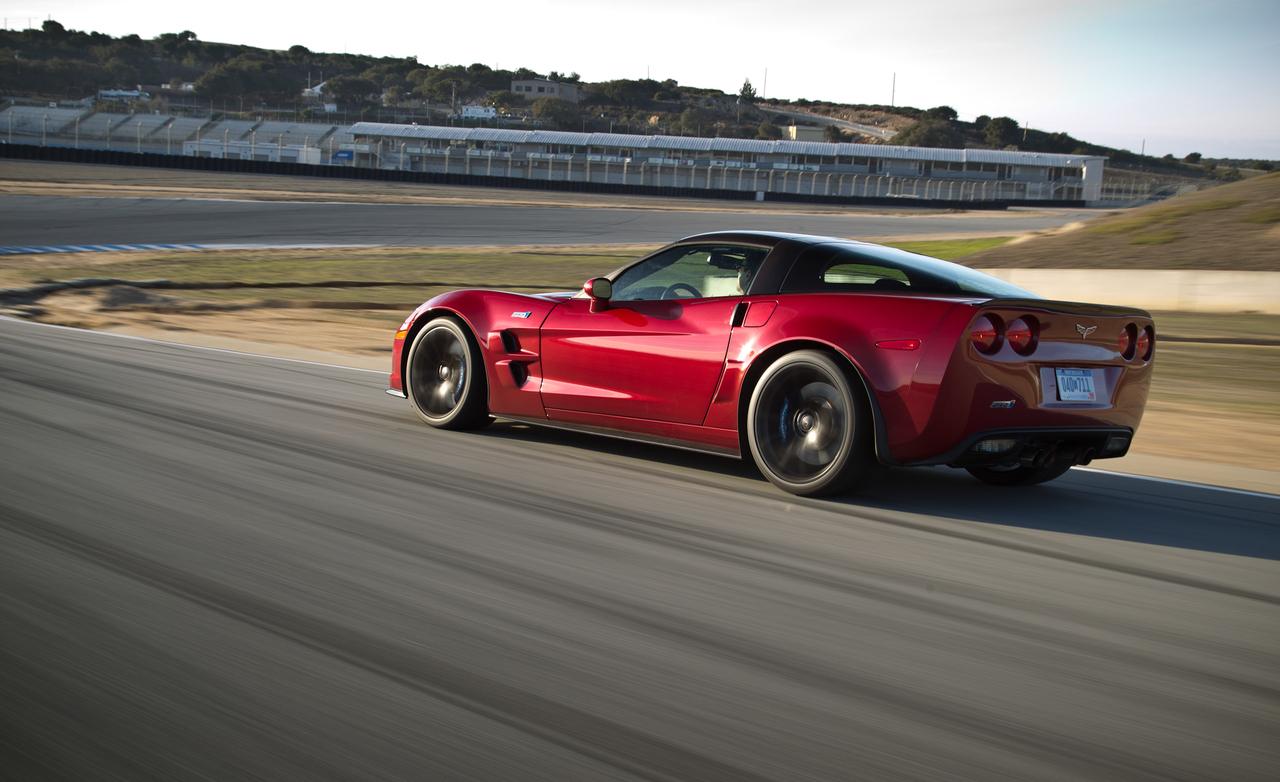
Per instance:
(1182,290)
(1092,180)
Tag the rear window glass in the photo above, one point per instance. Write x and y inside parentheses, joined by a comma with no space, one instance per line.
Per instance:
(865,274)
(852,267)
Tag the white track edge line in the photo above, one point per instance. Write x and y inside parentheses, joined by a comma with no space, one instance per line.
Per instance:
(1176,482)
(194,347)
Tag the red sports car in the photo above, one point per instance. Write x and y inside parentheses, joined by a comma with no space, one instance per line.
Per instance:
(819,357)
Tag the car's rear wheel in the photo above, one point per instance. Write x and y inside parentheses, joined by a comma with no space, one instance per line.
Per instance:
(809,431)
(1019,474)
(444,377)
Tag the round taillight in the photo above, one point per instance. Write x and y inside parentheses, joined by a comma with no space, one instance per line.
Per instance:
(1146,343)
(986,334)
(1023,334)
(1128,342)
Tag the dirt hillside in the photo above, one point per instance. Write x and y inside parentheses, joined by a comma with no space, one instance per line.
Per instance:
(1235,226)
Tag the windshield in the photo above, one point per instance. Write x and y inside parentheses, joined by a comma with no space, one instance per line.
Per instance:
(850,267)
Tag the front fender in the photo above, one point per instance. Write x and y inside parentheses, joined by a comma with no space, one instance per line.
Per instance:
(505,326)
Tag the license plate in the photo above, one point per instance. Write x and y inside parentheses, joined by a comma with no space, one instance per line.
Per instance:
(1076,385)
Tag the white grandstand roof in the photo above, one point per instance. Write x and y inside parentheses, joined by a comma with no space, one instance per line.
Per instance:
(699,144)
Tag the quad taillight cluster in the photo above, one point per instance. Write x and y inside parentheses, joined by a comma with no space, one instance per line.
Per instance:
(989,333)
(1137,342)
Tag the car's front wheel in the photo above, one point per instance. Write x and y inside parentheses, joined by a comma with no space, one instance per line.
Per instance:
(444,377)
(810,432)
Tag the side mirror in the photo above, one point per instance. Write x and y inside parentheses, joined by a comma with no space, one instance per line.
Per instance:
(599,290)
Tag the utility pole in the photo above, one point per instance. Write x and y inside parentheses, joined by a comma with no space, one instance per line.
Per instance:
(764,88)
(1144,148)
(893,90)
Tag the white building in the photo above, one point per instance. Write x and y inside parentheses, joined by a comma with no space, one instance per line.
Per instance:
(544,88)
(786,167)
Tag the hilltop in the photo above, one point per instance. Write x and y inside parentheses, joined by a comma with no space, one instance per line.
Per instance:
(1233,226)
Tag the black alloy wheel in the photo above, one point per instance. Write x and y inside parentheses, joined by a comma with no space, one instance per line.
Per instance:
(444,377)
(808,429)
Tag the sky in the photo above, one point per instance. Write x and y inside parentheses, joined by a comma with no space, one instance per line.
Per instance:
(1176,76)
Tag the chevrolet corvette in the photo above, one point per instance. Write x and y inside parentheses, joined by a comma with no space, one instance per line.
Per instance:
(819,358)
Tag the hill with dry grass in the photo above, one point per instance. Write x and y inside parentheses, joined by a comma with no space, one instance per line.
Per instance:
(1235,226)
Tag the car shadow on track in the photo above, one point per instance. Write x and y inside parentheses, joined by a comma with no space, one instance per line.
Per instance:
(1093,504)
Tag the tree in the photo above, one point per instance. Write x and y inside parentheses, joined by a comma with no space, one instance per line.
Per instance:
(981,122)
(560,113)
(693,121)
(53,28)
(929,133)
(1194,157)
(299,52)
(748,93)
(768,130)
(504,100)
(352,90)
(628,93)
(1001,132)
(943,113)
(833,134)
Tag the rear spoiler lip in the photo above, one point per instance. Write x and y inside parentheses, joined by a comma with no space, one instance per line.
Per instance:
(1067,307)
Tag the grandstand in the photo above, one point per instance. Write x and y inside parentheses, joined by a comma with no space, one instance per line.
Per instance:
(99,125)
(183,128)
(339,137)
(152,124)
(34,120)
(753,165)
(230,129)
(310,133)
(760,167)
(270,132)
(293,134)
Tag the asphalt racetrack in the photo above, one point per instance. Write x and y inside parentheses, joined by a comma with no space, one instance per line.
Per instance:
(47,220)
(218,566)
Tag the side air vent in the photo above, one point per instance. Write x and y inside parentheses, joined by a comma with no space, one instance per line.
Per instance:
(510,342)
(519,372)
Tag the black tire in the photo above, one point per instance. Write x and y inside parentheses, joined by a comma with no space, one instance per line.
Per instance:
(809,431)
(1019,475)
(444,377)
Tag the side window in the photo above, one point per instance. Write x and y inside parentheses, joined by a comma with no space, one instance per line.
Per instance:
(843,272)
(850,268)
(690,272)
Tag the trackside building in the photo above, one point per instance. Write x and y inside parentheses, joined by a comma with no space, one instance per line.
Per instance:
(804,168)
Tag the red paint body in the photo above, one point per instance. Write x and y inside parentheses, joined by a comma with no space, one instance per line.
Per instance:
(675,369)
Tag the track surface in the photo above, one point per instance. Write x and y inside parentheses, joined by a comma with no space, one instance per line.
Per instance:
(39,220)
(215,566)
